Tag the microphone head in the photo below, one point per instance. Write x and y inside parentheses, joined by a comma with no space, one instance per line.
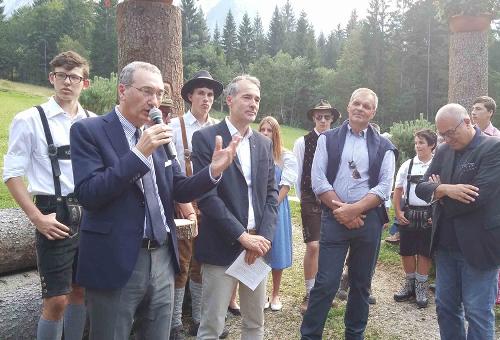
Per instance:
(155,115)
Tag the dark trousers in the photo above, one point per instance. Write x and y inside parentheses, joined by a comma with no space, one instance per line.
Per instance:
(335,240)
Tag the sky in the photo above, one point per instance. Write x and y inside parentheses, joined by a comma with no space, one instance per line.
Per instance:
(325,15)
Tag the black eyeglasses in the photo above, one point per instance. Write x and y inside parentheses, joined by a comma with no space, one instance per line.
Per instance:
(150,92)
(73,78)
(451,132)
(355,172)
(325,117)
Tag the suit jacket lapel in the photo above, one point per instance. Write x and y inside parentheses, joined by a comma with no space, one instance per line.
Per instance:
(226,139)
(253,158)
(115,133)
(447,167)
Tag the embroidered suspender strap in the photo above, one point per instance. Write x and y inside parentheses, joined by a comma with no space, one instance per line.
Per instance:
(408,177)
(187,153)
(52,149)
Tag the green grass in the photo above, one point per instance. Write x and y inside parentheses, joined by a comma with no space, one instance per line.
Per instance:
(15,98)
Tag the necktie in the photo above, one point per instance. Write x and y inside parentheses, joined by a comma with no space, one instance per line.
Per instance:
(155,227)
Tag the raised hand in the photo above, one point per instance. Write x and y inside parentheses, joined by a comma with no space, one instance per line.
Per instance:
(153,137)
(222,158)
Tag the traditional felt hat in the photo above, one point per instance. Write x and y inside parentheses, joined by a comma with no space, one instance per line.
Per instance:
(323,105)
(203,78)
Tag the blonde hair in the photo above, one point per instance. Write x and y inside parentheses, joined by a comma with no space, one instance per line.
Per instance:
(276,136)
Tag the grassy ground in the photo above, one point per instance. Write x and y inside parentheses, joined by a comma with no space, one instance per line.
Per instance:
(15,97)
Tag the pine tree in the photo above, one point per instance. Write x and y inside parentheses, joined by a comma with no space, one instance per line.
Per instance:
(259,37)
(216,38)
(194,25)
(103,55)
(229,38)
(276,33)
(289,26)
(352,24)
(305,43)
(246,44)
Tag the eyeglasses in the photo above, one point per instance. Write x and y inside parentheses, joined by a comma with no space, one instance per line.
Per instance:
(325,117)
(355,172)
(451,132)
(150,92)
(73,78)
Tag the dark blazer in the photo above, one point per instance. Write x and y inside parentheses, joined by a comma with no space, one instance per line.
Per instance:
(225,208)
(477,224)
(105,173)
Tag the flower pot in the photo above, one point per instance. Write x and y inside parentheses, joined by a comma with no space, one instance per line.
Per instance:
(470,23)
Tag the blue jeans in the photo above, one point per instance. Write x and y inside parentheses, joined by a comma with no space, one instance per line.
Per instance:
(335,240)
(462,289)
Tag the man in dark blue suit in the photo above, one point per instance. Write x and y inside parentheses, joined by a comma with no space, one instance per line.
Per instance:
(127,186)
(240,214)
(463,181)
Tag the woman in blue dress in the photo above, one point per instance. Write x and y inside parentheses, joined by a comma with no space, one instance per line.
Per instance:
(286,174)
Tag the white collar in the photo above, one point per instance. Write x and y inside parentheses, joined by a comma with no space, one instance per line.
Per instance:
(53,109)
(234,131)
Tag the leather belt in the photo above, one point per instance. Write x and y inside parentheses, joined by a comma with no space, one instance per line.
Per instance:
(150,244)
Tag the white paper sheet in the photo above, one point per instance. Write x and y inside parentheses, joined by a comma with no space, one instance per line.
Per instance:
(249,274)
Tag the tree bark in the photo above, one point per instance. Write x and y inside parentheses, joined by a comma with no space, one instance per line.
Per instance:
(20,305)
(17,241)
(468,67)
(152,32)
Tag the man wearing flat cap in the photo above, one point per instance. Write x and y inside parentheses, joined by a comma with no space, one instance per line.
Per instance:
(200,93)
(323,115)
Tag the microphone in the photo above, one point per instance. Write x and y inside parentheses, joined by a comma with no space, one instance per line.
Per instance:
(155,116)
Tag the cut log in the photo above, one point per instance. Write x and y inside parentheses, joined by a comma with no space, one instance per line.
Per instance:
(20,305)
(17,241)
(152,32)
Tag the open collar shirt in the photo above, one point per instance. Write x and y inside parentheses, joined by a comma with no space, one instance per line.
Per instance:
(27,153)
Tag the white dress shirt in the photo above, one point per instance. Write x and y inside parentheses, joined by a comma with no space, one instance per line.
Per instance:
(27,154)
(243,153)
(192,125)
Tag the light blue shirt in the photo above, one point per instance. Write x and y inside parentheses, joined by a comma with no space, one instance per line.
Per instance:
(348,188)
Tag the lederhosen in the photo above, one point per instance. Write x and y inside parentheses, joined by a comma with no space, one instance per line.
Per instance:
(56,259)
(310,206)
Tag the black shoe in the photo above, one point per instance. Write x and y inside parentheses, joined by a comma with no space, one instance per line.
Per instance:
(234,311)
(372,300)
(225,333)
(177,333)
(193,329)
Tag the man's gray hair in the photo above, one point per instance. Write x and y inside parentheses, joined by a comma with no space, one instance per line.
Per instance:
(232,87)
(365,90)
(452,110)
(127,73)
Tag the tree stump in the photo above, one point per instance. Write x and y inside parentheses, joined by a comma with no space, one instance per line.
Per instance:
(17,241)
(152,32)
(468,67)
(20,305)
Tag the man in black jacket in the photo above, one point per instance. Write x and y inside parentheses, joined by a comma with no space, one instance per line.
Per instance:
(463,179)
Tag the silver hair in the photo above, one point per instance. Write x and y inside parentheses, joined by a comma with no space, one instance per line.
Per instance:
(232,87)
(452,110)
(127,73)
(365,90)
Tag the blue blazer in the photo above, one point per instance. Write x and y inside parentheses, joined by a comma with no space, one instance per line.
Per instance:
(225,208)
(105,173)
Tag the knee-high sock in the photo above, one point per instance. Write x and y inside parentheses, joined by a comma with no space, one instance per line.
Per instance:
(75,316)
(195,289)
(49,329)
(177,314)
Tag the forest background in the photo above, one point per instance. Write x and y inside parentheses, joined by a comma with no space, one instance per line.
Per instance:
(400,50)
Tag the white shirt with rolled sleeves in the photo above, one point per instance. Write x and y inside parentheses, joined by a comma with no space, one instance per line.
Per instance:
(347,188)
(27,153)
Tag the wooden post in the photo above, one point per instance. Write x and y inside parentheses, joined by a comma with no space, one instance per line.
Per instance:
(468,62)
(151,31)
